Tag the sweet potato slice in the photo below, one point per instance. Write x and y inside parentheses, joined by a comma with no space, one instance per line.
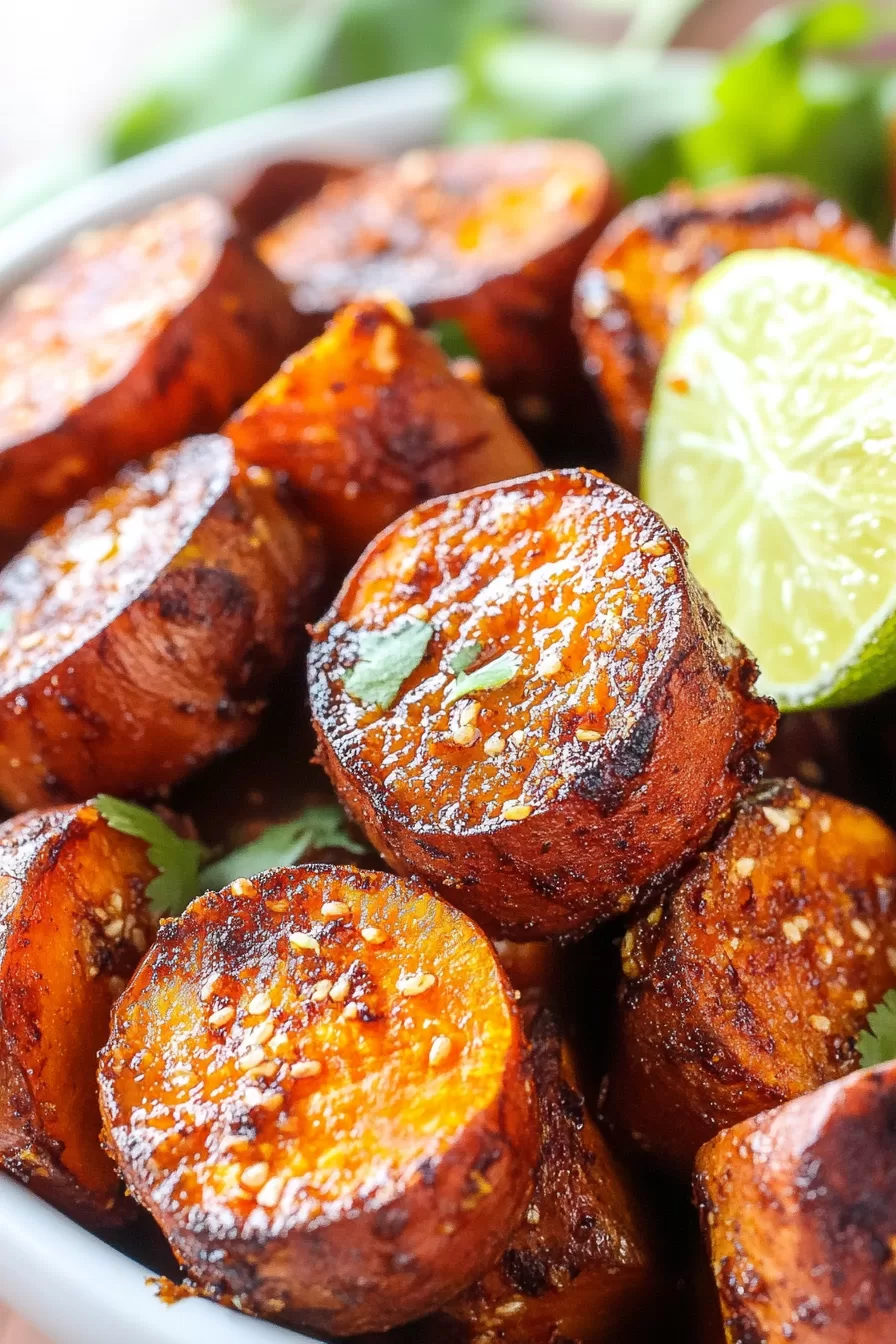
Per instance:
(596,756)
(143,627)
(632,287)
(799,1212)
(282,187)
(490,236)
(137,336)
(316,1084)
(74,923)
(369,420)
(578,1267)
(751,984)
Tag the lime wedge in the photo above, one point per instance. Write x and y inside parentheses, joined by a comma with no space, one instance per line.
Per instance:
(771,446)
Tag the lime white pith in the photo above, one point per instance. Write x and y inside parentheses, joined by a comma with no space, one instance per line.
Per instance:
(771,446)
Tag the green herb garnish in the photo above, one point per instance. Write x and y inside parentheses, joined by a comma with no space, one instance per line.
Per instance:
(177,859)
(453,339)
(466,654)
(486,678)
(386,658)
(281,845)
(877,1045)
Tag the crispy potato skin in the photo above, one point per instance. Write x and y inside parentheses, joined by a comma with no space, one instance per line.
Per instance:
(391,1177)
(73,924)
(799,1213)
(749,986)
(578,1267)
(282,187)
(370,420)
(616,760)
(633,284)
(136,337)
(146,625)
(489,235)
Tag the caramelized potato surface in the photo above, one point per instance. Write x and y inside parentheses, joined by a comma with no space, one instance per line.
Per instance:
(488,235)
(135,337)
(632,288)
(799,1212)
(316,1083)
(620,730)
(749,986)
(74,923)
(143,627)
(369,420)
(282,187)
(578,1267)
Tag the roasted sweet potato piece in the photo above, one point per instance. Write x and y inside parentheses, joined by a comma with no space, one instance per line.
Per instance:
(282,187)
(369,420)
(75,922)
(799,1212)
(490,236)
(137,336)
(597,755)
(632,287)
(316,1083)
(143,627)
(750,985)
(578,1267)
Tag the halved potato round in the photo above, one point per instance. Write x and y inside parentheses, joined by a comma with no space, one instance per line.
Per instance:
(137,336)
(369,420)
(594,759)
(490,236)
(317,1085)
(142,629)
(751,983)
(75,923)
(632,287)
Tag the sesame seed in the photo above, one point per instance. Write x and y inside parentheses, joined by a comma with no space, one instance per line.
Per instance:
(306,1068)
(341,990)
(439,1050)
(744,867)
(825,955)
(515,811)
(321,990)
(222,1017)
(587,735)
(819,1022)
(400,311)
(139,940)
(261,1003)
(630,968)
(269,1194)
(494,745)
(779,818)
(670,573)
(266,1069)
(801,922)
(254,1177)
(655,915)
(372,935)
(251,1058)
(550,665)
(891,958)
(734,944)
(113,928)
(350,1011)
(31,641)
(464,735)
(658,547)
(261,1034)
(253,1096)
(834,936)
(272,1101)
(627,944)
(277,1042)
(860,999)
(518,738)
(115,902)
(417,612)
(242,887)
(860,929)
(412,985)
(383,354)
(533,1216)
(334,910)
(791,932)
(303,942)
(468,712)
(824,823)
(277,907)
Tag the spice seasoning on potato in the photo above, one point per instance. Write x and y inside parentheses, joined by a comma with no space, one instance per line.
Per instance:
(137,336)
(631,290)
(751,983)
(490,236)
(369,419)
(75,922)
(329,1114)
(521,695)
(143,628)
(799,1214)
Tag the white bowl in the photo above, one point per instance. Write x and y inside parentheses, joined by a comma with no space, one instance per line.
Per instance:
(69,1283)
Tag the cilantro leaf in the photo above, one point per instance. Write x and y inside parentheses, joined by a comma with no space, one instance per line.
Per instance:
(877,1045)
(279,846)
(176,859)
(486,678)
(453,339)
(466,654)
(386,658)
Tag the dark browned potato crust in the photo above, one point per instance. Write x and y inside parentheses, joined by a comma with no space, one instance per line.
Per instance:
(750,985)
(317,1085)
(578,1267)
(610,757)
(135,337)
(632,287)
(488,235)
(369,420)
(73,924)
(799,1213)
(282,187)
(144,627)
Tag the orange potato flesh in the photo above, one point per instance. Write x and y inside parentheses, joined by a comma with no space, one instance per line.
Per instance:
(541,805)
(316,1084)
(75,922)
(369,419)
(282,187)
(488,235)
(144,626)
(632,288)
(799,1213)
(751,984)
(135,337)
